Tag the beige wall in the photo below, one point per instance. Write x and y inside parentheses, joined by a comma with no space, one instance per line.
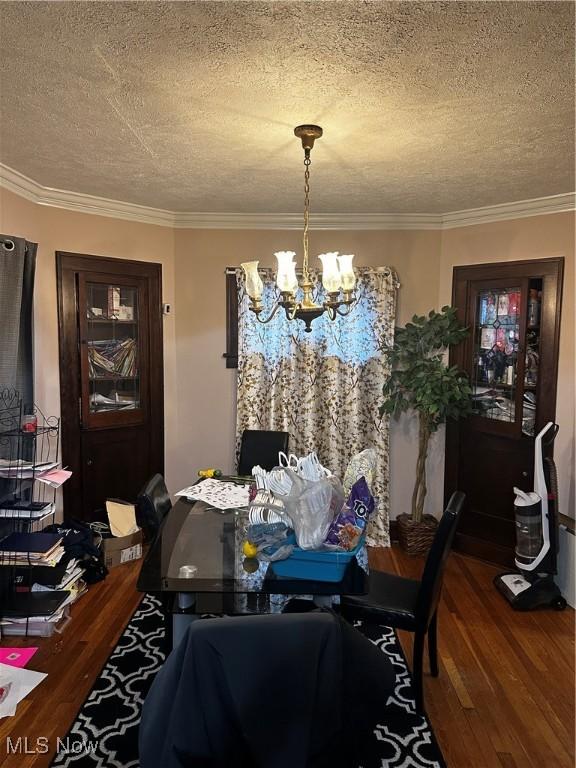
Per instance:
(55,229)
(200,391)
(207,390)
(539,237)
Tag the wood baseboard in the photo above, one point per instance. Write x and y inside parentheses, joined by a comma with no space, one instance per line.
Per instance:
(569,522)
(488,551)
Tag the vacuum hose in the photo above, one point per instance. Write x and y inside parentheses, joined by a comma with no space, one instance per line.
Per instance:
(553,478)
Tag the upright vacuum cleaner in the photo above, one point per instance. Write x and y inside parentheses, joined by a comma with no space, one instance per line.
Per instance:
(536,537)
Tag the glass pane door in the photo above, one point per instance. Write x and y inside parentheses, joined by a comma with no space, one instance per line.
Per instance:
(496,341)
(532,360)
(497,365)
(112,340)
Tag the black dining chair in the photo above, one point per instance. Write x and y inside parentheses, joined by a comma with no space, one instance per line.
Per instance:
(259,446)
(152,505)
(402,603)
(278,690)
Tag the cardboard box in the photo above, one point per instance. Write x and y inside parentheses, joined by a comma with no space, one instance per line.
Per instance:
(122,549)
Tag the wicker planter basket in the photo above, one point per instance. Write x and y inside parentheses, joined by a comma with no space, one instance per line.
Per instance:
(416,538)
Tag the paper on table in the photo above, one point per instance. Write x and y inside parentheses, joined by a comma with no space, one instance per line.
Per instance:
(218,493)
(17,684)
(122,518)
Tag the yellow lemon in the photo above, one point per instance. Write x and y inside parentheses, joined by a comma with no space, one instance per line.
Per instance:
(249,549)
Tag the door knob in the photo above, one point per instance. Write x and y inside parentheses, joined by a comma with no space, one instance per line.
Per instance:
(89,462)
(524,474)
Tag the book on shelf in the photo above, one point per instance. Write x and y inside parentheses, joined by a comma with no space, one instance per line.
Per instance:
(46,575)
(36,626)
(23,464)
(34,605)
(26,510)
(68,580)
(112,357)
(32,559)
(24,470)
(31,548)
(40,543)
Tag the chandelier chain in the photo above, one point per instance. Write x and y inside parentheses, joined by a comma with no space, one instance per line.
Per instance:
(306,216)
(301,298)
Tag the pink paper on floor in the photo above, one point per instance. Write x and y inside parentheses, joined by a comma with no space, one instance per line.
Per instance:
(16,657)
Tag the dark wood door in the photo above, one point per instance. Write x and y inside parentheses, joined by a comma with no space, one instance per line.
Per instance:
(511,356)
(111,378)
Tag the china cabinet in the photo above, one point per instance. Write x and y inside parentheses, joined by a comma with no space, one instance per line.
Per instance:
(111,377)
(512,310)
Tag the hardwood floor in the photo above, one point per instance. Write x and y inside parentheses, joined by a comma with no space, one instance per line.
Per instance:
(505,694)
(73,661)
(504,698)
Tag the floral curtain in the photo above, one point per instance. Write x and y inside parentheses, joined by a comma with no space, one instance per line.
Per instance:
(323,387)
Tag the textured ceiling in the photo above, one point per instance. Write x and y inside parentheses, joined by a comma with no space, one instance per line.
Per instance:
(190,106)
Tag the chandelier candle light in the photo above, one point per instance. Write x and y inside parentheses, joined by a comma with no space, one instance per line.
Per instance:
(337,273)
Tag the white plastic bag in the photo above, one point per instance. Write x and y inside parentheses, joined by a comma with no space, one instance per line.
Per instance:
(311,505)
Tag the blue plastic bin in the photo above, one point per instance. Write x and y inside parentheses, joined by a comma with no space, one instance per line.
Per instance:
(316,564)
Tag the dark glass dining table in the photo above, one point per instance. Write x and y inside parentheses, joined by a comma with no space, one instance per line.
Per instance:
(196,565)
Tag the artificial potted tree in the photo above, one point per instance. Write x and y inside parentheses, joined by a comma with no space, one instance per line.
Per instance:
(421,382)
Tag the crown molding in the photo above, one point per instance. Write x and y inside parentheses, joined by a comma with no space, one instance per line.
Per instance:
(504,211)
(318,221)
(16,182)
(21,185)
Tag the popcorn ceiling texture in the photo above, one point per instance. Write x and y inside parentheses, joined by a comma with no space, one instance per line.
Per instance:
(189,106)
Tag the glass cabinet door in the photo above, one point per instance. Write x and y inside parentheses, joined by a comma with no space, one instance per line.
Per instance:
(111,330)
(499,357)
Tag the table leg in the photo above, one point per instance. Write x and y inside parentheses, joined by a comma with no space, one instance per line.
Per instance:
(181,620)
(323,601)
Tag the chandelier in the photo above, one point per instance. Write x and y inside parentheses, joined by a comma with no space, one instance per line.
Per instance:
(338,276)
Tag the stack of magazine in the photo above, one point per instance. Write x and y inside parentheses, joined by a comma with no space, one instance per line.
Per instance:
(31,549)
(33,511)
(112,358)
(24,470)
(12,506)
(47,581)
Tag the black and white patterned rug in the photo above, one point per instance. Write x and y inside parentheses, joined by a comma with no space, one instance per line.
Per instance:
(105,732)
